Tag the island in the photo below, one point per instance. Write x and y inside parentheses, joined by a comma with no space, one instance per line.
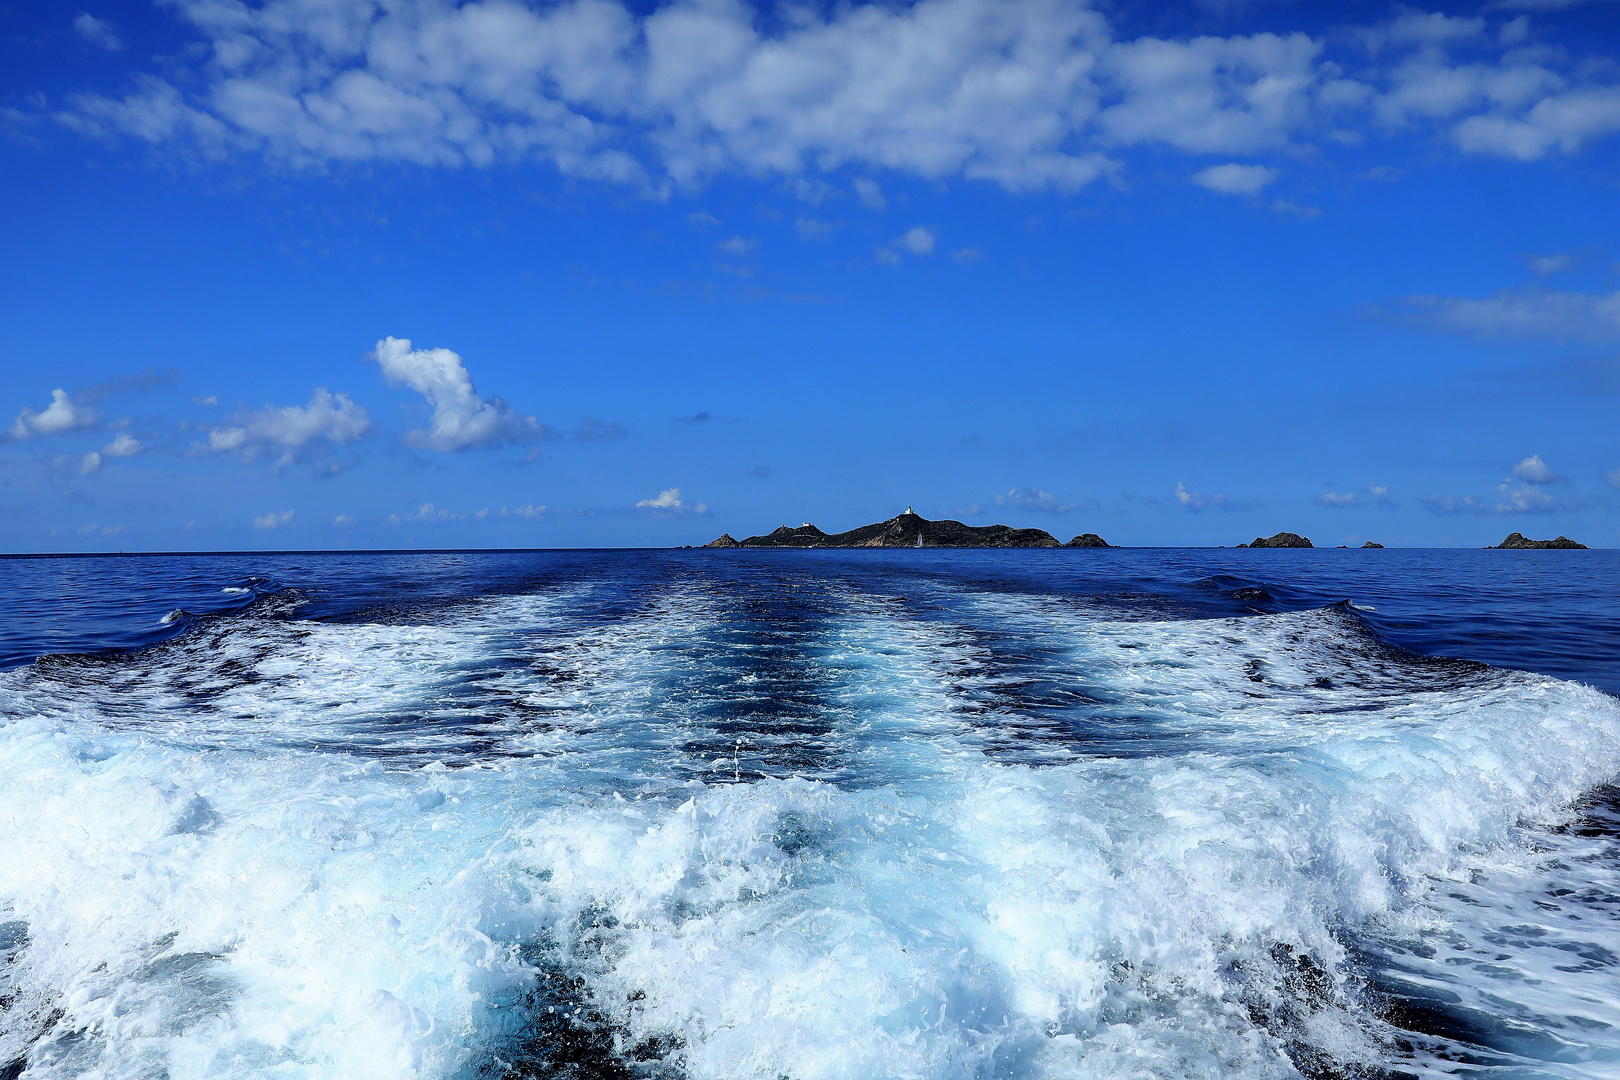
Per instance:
(909,530)
(1519,540)
(1281,540)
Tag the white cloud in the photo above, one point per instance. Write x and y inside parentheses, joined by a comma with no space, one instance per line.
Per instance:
(1040,501)
(461,418)
(89,463)
(1371,495)
(1524,313)
(1447,506)
(668,503)
(426,514)
(917,240)
(1532,470)
(1542,265)
(1235,179)
(1196,502)
(291,429)
(531,513)
(123,445)
(812,229)
(886,256)
(737,245)
(1528,499)
(100,530)
(59,416)
(97,32)
(701,221)
(208,402)
(343,519)
(1029,94)
(1612,479)
(273,520)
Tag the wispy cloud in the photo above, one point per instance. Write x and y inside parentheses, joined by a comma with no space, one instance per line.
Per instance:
(528,513)
(1043,502)
(1371,495)
(1529,313)
(98,32)
(1196,503)
(274,520)
(426,514)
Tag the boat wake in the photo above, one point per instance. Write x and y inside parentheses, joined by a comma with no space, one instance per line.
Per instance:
(802,829)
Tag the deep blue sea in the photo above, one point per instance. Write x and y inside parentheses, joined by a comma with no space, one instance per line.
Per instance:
(800,814)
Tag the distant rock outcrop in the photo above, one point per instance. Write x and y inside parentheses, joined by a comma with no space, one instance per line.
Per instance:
(1282,539)
(1370,544)
(905,530)
(1088,540)
(724,540)
(1518,540)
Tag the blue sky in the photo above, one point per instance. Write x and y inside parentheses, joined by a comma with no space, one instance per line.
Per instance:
(347,273)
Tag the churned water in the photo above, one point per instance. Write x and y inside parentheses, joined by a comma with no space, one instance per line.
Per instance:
(811,814)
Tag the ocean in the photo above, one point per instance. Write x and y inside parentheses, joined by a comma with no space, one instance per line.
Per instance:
(811,814)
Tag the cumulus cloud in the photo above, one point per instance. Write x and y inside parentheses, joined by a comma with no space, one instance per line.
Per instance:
(59,416)
(461,418)
(97,32)
(530,512)
(1039,501)
(123,445)
(1029,94)
(1532,470)
(291,429)
(1196,502)
(89,463)
(273,520)
(668,503)
(1235,179)
(1334,498)
(1523,313)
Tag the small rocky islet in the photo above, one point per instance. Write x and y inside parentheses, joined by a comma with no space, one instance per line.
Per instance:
(1521,542)
(909,530)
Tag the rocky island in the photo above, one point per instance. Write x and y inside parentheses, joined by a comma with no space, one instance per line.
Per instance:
(1518,540)
(1282,539)
(909,530)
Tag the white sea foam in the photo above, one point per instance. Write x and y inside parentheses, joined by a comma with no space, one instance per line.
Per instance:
(235,857)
